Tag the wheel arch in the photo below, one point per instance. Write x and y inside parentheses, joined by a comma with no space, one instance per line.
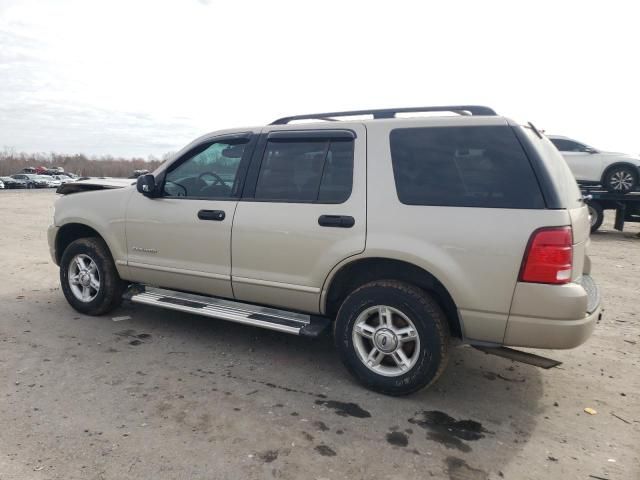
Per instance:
(364,270)
(70,232)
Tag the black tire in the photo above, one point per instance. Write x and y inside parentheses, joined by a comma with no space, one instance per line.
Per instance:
(425,314)
(596,215)
(620,179)
(109,295)
(29,185)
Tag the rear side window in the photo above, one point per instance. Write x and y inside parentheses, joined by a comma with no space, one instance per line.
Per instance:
(482,166)
(306,171)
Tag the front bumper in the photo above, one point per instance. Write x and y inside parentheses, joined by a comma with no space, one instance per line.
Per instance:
(52,231)
(553,316)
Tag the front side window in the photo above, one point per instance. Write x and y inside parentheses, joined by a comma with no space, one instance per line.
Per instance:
(306,171)
(483,166)
(210,171)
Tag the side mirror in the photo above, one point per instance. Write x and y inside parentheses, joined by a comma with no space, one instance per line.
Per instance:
(590,150)
(146,185)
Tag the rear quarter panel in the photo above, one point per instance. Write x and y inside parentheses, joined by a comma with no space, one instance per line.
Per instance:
(476,253)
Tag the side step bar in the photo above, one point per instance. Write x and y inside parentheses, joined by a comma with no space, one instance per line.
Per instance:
(258,316)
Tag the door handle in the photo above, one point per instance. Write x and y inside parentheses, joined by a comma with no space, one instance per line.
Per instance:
(339,221)
(215,215)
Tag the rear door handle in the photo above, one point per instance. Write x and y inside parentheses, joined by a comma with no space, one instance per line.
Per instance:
(215,215)
(339,221)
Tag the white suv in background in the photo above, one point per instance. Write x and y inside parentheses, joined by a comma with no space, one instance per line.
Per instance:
(617,172)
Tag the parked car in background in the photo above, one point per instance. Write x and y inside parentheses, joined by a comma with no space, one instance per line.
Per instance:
(13,182)
(52,182)
(617,172)
(63,178)
(1,185)
(32,181)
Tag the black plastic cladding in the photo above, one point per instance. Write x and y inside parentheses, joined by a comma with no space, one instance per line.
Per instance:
(390,113)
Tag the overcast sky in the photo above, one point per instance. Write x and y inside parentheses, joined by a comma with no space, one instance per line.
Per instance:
(135,78)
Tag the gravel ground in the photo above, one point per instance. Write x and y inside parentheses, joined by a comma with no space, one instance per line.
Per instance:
(169,395)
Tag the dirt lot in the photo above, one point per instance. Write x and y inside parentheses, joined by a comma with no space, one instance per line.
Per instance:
(168,395)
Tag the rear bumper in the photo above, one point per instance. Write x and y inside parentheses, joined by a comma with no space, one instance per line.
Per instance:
(552,316)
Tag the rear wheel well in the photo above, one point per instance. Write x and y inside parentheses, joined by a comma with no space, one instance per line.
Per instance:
(360,272)
(71,232)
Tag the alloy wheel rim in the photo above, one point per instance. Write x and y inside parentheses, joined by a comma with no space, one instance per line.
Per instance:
(621,180)
(84,278)
(386,341)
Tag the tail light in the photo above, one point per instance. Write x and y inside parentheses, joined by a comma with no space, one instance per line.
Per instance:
(549,256)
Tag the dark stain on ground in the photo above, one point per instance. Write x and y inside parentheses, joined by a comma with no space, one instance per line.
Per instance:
(458,469)
(440,422)
(339,432)
(398,439)
(307,436)
(345,409)
(137,337)
(493,376)
(321,426)
(449,441)
(325,451)
(270,385)
(268,456)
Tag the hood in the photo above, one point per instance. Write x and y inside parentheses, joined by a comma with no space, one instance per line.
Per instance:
(86,184)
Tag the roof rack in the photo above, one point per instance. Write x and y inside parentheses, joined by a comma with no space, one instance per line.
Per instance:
(389,113)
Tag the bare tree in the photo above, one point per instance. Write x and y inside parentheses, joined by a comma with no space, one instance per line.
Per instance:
(106,166)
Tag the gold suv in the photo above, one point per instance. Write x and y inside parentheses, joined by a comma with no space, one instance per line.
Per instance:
(397,233)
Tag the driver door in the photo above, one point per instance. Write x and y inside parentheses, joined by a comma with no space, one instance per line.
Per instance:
(182,238)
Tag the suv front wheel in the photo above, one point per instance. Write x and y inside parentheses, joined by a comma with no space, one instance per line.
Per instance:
(392,336)
(88,276)
(621,179)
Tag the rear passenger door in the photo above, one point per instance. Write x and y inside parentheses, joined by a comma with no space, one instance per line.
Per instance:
(302,212)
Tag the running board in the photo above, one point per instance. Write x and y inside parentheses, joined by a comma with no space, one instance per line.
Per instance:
(245,313)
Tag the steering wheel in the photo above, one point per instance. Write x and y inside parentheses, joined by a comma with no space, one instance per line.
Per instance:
(183,193)
(216,177)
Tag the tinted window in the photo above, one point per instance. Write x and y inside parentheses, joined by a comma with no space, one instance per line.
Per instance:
(565,145)
(463,167)
(210,171)
(306,171)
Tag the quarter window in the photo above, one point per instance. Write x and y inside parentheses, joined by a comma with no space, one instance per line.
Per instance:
(481,166)
(306,171)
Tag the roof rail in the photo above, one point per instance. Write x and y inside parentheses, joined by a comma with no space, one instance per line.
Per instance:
(389,113)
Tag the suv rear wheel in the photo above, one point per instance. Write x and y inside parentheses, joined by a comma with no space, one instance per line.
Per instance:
(392,336)
(88,276)
(620,179)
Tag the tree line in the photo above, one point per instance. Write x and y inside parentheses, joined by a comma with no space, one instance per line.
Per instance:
(12,162)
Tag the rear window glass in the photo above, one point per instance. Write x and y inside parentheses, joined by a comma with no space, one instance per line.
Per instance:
(482,166)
